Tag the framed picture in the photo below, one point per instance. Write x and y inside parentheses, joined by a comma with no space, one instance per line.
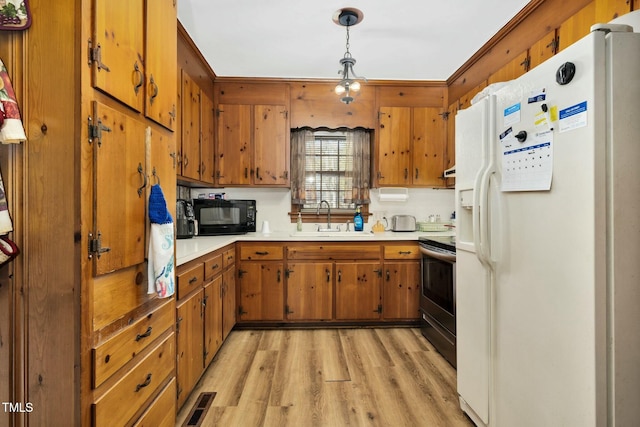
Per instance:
(14,15)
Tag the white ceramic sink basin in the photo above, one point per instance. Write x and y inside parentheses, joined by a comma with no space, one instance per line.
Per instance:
(334,234)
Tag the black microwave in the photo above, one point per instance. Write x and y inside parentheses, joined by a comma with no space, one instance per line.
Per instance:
(219,216)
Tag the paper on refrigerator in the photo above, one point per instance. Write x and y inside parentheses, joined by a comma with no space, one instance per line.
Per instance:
(528,165)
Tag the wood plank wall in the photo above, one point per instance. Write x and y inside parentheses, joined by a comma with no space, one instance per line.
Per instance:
(39,291)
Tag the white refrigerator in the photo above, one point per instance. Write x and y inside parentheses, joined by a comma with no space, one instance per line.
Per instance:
(548,241)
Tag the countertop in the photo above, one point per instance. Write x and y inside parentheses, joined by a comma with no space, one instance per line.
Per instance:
(190,249)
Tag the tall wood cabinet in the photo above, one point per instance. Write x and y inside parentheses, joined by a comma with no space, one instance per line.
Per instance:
(99,116)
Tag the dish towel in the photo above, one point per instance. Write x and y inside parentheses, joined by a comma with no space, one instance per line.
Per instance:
(8,249)
(161,246)
(11,129)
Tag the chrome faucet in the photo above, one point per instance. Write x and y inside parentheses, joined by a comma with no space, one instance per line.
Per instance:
(328,212)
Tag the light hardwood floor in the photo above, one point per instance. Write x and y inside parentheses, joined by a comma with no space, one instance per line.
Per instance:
(329,377)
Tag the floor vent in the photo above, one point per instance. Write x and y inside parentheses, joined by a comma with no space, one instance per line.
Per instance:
(199,410)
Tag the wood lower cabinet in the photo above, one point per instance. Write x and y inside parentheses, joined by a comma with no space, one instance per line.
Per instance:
(212,318)
(401,290)
(401,281)
(358,290)
(309,291)
(203,319)
(162,411)
(190,343)
(229,317)
(261,285)
(260,277)
(337,282)
(121,401)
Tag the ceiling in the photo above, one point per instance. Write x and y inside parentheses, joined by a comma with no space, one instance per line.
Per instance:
(396,40)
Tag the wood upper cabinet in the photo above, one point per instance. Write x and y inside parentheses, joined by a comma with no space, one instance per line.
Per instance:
(429,147)
(606,10)
(543,49)
(207,132)
(511,70)
(117,50)
(233,147)
(411,147)
(118,239)
(190,128)
(160,98)
(577,26)
(358,295)
(253,145)
(394,147)
(271,145)
(309,291)
(123,67)
(450,155)
(196,126)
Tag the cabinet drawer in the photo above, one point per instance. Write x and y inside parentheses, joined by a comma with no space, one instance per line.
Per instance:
(121,348)
(228,257)
(408,251)
(212,266)
(126,397)
(190,279)
(162,412)
(333,251)
(257,252)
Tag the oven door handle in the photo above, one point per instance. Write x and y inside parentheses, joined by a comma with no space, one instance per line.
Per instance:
(438,255)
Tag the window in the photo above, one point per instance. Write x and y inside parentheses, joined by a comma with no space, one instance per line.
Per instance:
(331,165)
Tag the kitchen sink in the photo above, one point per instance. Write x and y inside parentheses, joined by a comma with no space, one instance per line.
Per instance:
(334,234)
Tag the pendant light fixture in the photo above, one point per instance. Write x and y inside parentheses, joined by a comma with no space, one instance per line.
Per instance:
(348,17)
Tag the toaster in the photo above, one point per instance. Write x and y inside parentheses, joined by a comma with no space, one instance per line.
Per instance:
(403,223)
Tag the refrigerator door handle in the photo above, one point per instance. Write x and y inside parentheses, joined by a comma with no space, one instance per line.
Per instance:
(481,186)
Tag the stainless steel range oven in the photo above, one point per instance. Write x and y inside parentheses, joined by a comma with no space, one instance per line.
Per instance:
(438,294)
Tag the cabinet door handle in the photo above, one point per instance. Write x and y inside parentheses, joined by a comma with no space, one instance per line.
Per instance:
(279,274)
(404,252)
(146,382)
(379,272)
(417,173)
(339,276)
(257,173)
(262,253)
(388,275)
(145,335)
(406,173)
(138,85)
(154,88)
(328,275)
(144,179)
(194,279)
(246,172)
(214,266)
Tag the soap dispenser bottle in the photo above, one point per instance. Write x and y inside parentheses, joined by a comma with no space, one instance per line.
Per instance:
(299,223)
(358,222)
